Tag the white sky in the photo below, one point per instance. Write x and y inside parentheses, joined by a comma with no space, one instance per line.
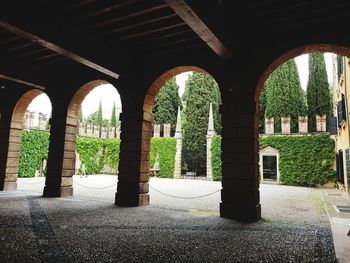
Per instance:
(108,94)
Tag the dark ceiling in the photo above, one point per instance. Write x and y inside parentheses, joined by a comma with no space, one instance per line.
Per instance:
(109,35)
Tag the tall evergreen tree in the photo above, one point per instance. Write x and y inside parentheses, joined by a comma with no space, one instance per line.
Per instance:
(318,93)
(284,95)
(166,104)
(262,105)
(113,120)
(100,119)
(201,90)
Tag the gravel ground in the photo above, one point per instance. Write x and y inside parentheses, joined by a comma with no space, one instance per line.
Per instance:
(89,228)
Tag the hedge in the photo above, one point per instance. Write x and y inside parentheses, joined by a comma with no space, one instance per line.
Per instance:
(304,160)
(93,152)
(216,158)
(166,149)
(34,148)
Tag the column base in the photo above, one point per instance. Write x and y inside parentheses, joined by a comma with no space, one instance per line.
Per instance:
(245,213)
(131,200)
(58,191)
(10,186)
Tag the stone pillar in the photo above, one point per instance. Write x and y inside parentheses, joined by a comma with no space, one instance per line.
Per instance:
(321,123)
(118,133)
(156,133)
(285,123)
(27,120)
(210,136)
(178,137)
(81,129)
(32,117)
(9,152)
(240,158)
(61,159)
(134,167)
(42,121)
(303,124)
(166,131)
(269,126)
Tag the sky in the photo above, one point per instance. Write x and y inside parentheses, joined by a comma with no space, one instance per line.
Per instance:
(108,94)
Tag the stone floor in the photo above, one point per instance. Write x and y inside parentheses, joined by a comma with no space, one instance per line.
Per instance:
(89,228)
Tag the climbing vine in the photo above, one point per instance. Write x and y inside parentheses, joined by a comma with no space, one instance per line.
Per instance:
(166,149)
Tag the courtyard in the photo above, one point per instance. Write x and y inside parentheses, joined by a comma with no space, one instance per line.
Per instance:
(180,225)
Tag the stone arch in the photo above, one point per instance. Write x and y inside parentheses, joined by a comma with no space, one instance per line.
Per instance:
(148,118)
(344,51)
(15,139)
(68,168)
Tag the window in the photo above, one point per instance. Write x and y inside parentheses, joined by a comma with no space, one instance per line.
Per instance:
(340,66)
(341,111)
(340,167)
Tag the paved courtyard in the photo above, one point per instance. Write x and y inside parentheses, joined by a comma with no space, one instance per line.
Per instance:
(176,227)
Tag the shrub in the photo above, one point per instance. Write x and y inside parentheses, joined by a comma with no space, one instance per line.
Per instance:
(166,148)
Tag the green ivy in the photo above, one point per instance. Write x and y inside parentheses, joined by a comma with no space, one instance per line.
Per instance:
(166,149)
(304,160)
(92,153)
(34,148)
(112,147)
(216,158)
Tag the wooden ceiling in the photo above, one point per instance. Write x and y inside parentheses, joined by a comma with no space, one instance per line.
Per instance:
(108,35)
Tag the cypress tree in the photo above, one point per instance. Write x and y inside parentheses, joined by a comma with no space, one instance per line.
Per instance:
(114,120)
(318,93)
(166,104)
(284,95)
(201,90)
(100,119)
(262,105)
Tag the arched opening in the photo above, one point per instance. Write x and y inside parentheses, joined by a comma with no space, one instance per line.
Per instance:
(189,163)
(22,118)
(72,163)
(329,159)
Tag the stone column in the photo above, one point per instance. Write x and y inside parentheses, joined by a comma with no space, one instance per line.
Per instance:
(269,126)
(303,124)
(32,117)
(156,133)
(118,133)
(9,149)
(210,136)
(61,159)
(166,131)
(133,170)
(321,123)
(285,123)
(178,137)
(42,121)
(239,145)
(27,120)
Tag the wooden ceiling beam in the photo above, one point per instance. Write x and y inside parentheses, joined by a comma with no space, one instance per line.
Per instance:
(59,50)
(183,10)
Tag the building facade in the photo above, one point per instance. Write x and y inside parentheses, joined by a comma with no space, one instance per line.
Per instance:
(340,123)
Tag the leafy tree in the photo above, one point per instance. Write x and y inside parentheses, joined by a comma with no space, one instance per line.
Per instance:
(284,95)
(318,93)
(166,104)
(113,120)
(99,119)
(201,90)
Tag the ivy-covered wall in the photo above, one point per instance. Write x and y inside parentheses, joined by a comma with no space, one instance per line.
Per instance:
(34,148)
(304,160)
(166,149)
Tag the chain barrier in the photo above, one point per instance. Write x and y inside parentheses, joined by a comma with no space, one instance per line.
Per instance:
(95,188)
(184,197)
(20,181)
